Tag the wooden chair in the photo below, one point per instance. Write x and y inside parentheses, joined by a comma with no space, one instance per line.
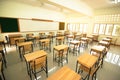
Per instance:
(42,35)
(74,48)
(19,41)
(46,45)
(92,73)
(63,54)
(84,42)
(59,40)
(99,55)
(38,65)
(26,49)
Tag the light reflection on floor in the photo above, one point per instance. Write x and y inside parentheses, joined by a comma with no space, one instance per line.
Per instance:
(113,58)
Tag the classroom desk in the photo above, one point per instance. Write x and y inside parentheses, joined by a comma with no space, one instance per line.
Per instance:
(75,43)
(70,36)
(18,39)
(90,37)
(58,39)
(65,73)
(59,48)
(99,50)
(32,56)
(3,43)
(104,43)
(84,39)
(86,60)
(107,39)
(21,45)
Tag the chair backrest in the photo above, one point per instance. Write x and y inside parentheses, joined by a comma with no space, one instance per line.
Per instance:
(0,56)
(20,40)
(28,48)
(29,35)
(66,50)
(39,63)
(94,70)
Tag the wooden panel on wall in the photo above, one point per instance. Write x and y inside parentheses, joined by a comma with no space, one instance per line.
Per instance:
(61,25)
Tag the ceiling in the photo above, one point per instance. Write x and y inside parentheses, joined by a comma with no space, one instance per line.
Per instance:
(68,7)
(98,4)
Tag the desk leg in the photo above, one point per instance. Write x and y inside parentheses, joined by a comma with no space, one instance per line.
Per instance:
(74,50)
(89,74)
(32,47)
(4,59)
(53,54)
(76,65)
(20,53)
(39,44)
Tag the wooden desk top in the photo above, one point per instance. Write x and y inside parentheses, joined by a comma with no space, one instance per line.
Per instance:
(60,47)
(74,42)
(1,41)
(78,34)
(90,37)
(84,38)
(24,43)
(19,38)
(70,36)
(107,39)
(44,40)
(87,60)
(98,48)
(59,37)
(103,42)
(31,56)
(64,73)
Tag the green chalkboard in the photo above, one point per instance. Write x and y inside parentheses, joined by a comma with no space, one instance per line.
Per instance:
(9,25)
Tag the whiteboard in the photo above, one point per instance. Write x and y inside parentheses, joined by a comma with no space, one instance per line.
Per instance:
(34,25)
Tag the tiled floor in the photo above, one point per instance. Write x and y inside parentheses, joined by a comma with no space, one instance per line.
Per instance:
(16,69)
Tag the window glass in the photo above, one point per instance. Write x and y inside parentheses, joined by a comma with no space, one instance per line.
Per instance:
(102,28)
(116,30)
(109,29)
(96,28)
(85,28)
(81,28)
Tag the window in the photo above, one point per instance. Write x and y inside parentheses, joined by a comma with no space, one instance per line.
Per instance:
(81,28)
(85,28)
(76,27)
(116,30)
(109,29)
(102,28)
(96,28)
